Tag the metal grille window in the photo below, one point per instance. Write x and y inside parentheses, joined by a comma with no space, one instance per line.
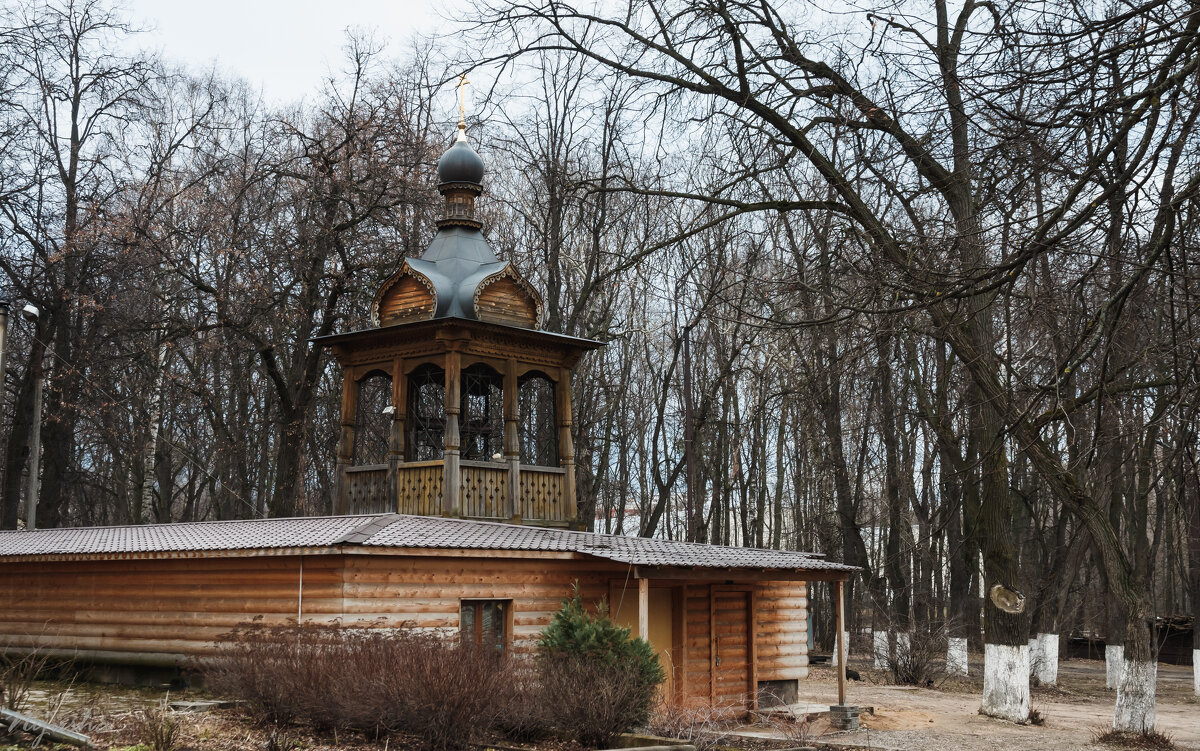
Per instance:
(482,415)
(372,424)
(426,414)
(538,414)
(484,623)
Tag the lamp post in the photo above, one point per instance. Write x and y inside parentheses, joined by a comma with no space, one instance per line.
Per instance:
(31,314)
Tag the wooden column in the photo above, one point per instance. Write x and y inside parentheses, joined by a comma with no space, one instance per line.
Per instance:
(450,442)
(643,609)
(840,645)
(566,446)
(512,442)
(399,419)
(345,449)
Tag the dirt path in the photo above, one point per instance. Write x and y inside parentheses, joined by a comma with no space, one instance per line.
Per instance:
(921,719)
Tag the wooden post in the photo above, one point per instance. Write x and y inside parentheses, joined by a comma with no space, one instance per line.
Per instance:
(512,442)
(450,453)
(643,609)
(399,419)
(679,597)
(345,450)
(840,645)
(752,647)
(566,446)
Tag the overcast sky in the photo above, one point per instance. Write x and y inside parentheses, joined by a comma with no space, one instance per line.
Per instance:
(284,47)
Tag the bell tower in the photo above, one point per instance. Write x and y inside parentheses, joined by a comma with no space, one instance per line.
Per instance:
(455,402)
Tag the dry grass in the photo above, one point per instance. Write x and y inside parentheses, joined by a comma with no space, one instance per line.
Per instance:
(1152,741)
(157,727)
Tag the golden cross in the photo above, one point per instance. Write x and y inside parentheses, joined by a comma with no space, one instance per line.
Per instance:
(462,107)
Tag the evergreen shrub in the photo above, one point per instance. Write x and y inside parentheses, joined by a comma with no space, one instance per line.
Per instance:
(598,680)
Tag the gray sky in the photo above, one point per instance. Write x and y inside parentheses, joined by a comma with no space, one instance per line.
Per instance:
(284,47)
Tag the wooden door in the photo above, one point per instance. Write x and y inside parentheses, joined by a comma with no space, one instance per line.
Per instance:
(732,648)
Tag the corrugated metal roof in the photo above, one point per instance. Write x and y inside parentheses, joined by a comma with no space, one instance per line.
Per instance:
(393,531)
(194,536)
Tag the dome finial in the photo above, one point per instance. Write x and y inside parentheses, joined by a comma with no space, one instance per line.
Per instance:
(462,107)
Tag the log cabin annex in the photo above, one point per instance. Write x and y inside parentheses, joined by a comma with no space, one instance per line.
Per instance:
(455,509)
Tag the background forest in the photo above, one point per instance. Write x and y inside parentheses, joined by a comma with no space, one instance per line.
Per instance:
(915,291)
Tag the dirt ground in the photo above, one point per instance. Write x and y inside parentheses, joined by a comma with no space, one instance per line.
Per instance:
(924,719)
(905,718)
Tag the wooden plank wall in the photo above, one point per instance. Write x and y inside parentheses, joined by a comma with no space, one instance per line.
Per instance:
(504,301)
(699,654)
(407,300)
(174,606)
(426,591)
(782,629)
(179,606)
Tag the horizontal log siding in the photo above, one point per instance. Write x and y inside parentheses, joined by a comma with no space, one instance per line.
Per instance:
(180,606)
(782,630)
(168,606)
(427,591)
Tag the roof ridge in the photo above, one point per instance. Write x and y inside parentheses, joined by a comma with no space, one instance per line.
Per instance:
(367,530)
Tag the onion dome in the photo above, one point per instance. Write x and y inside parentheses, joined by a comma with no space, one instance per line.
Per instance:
(458,275)
(460,163)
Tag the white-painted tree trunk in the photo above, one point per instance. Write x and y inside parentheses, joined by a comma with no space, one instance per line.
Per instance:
(846,647)
(1135,697)
(1035,657)
(880,648)
(1047,666)
(1006,682)
(1196,671)
(1114,665)
(903,644)
(956,656)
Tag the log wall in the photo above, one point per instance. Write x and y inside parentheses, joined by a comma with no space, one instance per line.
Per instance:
(165,609)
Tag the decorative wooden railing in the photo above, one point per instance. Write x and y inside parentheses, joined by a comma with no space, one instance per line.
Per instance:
(367,486)
(542,493)
(484,490)
(419,487)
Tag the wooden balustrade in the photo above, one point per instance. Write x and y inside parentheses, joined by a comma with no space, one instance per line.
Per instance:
(366,487)
(542,494)
(483,491)
(419,487)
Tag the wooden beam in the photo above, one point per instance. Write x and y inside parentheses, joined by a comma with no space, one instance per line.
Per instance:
(712,647)
(752,648)
(737,575)
(679,648)
(840,646)
(643,609)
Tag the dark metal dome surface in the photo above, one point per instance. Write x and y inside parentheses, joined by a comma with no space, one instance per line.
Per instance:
(460,164)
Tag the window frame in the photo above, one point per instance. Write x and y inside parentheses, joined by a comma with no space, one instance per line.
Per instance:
(478,603)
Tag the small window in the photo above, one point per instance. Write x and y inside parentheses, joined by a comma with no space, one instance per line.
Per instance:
(484,623)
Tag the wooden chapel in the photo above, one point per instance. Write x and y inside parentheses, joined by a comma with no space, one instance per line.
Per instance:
(455,402)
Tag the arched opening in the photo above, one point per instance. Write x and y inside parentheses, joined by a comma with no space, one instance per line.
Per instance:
(537,410)
(426,414)
(373,419)
(482,415)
